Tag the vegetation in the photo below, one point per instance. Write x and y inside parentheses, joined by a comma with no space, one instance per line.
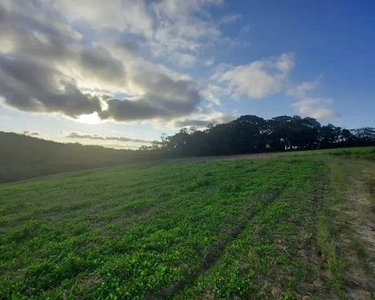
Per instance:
(23,157)
(289,225)
(252,134)
(357,153)
(274,228)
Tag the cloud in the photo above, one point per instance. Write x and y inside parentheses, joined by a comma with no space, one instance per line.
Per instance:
(31,133)
(33,87)
(76,135)
(125,15)
(88,64)
(173,29)
(183,59)
(229,18)
(204,121)
(257,79)
(307,105)
(245,29)
(316,108)
(264,77)
(122,60)
(163,96)
(209,62)
(213,93)
(183,26)
(302,90)
(47,66)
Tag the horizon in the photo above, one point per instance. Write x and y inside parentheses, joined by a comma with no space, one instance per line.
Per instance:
(116,142)
(119,76)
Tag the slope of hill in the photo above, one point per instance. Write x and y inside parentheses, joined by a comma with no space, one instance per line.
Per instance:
(284,227)
(23,157)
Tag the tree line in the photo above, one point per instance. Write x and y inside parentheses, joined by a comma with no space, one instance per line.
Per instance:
(252,134)
(23,157)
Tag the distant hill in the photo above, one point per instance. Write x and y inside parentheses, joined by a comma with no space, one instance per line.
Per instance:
(23,157)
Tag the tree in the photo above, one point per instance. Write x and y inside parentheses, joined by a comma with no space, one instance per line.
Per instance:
(252,134)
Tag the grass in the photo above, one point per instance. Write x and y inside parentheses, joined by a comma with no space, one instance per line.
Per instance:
(259,229)
(148,230)
(343,227)
(276,255)
(361,153)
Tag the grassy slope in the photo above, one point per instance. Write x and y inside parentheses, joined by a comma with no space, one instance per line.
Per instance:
(23,157)
(346,227)
(153,229)
(265,229)
(362,153)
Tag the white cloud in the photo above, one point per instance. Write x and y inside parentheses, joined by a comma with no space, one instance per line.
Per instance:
(182,27)
(123,15)
(229,18)
(262,78)
(209,62)
(258,79)
(316,108)
(183,59)
(88,136)
(245,29)
(170,28)
(310,106)
(203,120)
(301,91)
(213,93)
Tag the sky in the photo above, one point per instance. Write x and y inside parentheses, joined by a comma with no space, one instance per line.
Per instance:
(120,73)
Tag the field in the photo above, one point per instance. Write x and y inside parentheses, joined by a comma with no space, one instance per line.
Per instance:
(260,227)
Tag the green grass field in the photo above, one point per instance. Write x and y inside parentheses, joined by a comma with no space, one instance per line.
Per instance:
(291,226)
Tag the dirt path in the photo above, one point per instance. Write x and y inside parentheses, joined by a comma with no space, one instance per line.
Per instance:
(354,184)
(363,231)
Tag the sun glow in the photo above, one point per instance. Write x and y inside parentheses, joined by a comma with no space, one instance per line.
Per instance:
(90,119)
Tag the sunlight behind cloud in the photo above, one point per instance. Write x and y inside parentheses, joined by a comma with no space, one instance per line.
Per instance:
(90,119)
(158,66)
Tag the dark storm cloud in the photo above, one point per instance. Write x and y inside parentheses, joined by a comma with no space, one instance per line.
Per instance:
(75,135)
